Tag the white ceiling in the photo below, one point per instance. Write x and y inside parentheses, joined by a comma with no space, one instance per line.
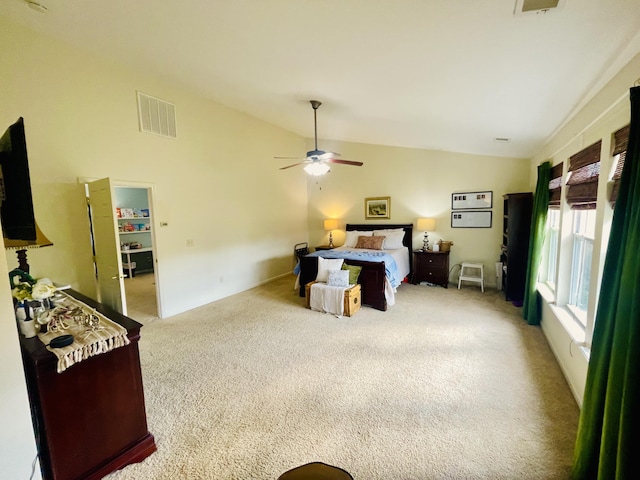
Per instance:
(437,74)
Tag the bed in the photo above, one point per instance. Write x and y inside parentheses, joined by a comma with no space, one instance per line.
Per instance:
(382,270)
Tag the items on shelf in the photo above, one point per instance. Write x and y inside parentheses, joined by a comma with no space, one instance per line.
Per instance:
(132,212)
(134,227)
(130,246)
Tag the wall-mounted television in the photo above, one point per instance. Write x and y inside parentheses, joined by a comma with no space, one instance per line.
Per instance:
(18,220)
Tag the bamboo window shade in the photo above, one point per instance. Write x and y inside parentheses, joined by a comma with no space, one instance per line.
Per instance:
(582,182)
(555,185)
(620,142)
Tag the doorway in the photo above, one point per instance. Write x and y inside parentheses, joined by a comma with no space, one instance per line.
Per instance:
(123,239)
(137,249)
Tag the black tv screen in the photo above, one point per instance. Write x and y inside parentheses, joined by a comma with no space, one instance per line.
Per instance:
(18,220)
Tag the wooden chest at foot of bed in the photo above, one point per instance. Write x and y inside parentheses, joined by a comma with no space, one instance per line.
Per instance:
(351,298)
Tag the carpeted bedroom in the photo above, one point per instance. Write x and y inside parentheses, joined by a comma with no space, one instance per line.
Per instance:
(446,384)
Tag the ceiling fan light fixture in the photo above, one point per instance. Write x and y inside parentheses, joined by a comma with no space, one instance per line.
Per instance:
(317,169)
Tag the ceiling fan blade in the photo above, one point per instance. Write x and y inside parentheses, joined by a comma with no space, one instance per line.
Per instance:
(345,162)
(292,165)
(328,155)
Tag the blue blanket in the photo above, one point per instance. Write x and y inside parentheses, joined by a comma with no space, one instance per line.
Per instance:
(390,266)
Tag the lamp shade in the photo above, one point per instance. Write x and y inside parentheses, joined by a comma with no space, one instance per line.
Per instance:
(40,241)
(330,224)
(427,224)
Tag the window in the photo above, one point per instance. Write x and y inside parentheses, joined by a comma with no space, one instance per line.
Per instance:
(582,183)
(553,234)
(549,267)
(584,228)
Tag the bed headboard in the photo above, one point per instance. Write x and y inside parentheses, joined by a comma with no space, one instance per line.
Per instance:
(407,241)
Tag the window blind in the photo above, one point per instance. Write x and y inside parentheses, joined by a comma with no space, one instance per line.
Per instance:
(582,181)
(620,141)
(555,185)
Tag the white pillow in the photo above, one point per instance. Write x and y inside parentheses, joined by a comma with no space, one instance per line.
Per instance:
(326,264)
(352,237)
(338,278)
(383,232)
(393,241)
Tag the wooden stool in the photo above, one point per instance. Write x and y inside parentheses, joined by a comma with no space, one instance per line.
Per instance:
(469,272)
(316,471)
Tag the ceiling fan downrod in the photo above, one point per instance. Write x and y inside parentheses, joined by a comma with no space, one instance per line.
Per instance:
(315,104)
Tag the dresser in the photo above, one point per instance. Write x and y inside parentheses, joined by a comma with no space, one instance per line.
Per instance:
(90,419)
(432,267)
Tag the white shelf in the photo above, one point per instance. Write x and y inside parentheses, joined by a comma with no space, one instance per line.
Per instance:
(135,231)
(133,218)
(137,250)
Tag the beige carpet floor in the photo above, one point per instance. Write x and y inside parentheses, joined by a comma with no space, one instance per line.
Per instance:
(447,384)
(140,292)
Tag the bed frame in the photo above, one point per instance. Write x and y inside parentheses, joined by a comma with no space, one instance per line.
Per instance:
(372,275)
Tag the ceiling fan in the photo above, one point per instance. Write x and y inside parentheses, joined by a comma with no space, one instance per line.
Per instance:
(317,161)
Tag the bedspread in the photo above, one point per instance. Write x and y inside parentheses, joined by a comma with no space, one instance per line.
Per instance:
(391,268)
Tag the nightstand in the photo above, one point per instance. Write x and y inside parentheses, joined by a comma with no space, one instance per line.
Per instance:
(323,247)
(432,267)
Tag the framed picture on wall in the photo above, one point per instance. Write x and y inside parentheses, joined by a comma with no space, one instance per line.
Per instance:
(377,208)
(467,200)
(471,219)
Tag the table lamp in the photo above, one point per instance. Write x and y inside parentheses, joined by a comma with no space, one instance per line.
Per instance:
(21,247)
(330,224)
(426,224)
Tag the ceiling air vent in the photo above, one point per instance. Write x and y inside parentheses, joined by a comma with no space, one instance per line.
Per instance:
(526,7)
(156,116)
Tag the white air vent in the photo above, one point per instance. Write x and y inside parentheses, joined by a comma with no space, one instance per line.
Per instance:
(526,7)
(156,116)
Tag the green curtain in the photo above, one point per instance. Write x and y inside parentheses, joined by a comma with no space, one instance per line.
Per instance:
(608,433)
(531,304)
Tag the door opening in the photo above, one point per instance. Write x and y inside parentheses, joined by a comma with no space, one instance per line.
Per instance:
(123,240)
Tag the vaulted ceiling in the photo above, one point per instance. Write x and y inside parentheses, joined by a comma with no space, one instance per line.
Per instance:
(437,74)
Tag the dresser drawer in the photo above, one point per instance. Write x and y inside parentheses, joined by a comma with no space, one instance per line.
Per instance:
(431,267)
(427,260)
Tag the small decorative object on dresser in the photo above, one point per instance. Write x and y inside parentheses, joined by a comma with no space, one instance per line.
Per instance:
(431,267)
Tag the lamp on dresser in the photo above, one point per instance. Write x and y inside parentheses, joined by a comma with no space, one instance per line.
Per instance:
(21,247)
(426,224)
(331,224)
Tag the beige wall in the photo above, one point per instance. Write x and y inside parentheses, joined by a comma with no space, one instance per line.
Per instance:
(608,111)
(420,184)
(216,184)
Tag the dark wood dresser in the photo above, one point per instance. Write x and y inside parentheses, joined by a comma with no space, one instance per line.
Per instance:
(89,420)
(432,267)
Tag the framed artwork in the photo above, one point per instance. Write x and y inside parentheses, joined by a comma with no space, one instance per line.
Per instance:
(471,219)
(467,200)
(377,208)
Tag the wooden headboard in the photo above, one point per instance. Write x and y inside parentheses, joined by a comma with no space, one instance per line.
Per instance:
(407,241)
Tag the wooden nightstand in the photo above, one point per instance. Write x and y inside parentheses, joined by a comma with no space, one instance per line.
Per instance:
(432,267)
(323,247)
